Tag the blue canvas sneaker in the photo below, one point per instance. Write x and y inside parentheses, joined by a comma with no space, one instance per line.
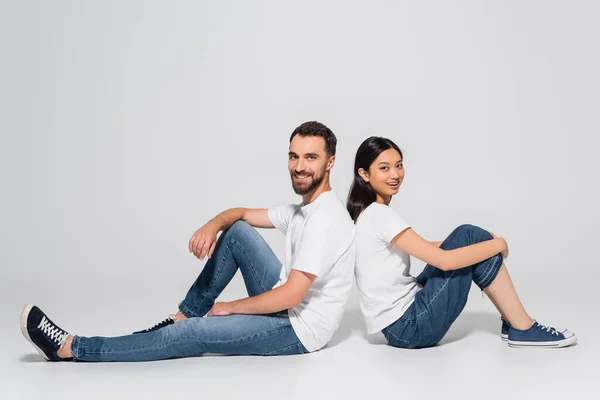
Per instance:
(540,336)
(504,329)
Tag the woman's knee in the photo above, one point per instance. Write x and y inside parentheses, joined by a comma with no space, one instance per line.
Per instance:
(474,234)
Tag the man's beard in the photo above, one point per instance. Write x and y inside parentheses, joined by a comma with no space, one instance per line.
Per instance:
(316,181)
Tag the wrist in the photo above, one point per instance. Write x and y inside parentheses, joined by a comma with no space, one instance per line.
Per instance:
(235,307)
(502,243)
(214,226)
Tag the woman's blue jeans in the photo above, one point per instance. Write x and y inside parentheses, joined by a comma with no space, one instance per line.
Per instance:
(444,294)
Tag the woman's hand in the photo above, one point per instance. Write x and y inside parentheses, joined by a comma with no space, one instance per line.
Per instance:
(505,245)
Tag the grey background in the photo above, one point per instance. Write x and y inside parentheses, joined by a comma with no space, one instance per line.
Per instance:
(127,125)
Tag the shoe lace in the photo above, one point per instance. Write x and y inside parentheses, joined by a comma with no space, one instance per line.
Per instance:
(162,323)
(52,331)
(548,329)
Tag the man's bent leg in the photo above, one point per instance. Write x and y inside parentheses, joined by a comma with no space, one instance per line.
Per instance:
(240,246)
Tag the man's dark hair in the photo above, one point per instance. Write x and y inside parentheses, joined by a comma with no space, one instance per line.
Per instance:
(314,128)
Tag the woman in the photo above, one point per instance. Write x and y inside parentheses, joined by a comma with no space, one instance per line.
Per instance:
(417,312)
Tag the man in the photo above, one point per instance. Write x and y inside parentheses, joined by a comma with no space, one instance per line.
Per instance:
(292,309)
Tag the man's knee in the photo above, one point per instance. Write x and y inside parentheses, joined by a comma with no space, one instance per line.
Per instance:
(239,229)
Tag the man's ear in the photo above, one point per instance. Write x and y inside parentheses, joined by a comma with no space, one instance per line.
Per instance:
(363,174)
(330,162)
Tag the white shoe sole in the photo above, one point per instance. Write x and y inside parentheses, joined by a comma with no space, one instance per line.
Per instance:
(24,316)
(504,336)
(567,341)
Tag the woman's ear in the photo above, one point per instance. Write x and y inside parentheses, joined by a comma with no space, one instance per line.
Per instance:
(363,174)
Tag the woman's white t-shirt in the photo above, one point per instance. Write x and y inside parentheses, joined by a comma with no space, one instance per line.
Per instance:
(386,288)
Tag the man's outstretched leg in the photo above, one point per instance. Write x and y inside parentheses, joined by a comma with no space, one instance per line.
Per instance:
(234,334)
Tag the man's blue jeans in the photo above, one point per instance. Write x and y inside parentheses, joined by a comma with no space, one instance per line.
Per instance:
(444,294)
(240,246)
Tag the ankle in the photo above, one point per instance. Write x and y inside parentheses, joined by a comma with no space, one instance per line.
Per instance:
(522,324)
(179,316)
(65,349)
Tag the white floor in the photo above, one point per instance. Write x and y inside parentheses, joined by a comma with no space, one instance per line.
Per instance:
(471,362)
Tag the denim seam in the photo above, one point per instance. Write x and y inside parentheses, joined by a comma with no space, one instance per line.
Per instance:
(489,273)
(397,338)
(188,312)
(387,334)
(404,318)
(242,339)
(75,347)
(286,348)
(249,261)
(217,274)
(436,294)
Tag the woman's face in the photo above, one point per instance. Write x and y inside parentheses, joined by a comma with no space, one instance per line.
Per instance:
(385,175)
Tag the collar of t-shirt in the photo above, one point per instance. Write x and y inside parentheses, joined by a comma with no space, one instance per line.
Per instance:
(307,209)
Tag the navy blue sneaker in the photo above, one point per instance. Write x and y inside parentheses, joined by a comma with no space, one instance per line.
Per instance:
(504,329)
(168,321)
(42,333)
(540,336)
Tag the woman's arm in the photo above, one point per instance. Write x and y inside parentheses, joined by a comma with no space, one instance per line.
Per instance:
(410,242)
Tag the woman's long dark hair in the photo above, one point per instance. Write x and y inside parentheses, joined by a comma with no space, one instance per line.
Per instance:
(361,193)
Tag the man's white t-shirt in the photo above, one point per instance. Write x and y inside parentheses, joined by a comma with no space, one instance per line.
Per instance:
(385,287)
(318,240)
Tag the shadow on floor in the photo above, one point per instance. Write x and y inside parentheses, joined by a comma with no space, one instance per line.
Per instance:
(470,322)
(466,324)
(352,324)
(31,358)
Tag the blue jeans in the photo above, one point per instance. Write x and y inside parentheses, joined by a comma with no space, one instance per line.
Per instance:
(239,247)
(444,294)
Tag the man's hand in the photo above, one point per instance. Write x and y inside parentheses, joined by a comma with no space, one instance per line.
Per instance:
(203,241)
(505,251)
(221,309)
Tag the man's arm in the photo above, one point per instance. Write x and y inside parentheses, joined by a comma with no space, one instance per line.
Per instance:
(203,241)
(437,244)
(288,295)
(257,217)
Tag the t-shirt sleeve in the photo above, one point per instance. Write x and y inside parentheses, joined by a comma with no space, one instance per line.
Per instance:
(387,223)
(320,247)
(281,216)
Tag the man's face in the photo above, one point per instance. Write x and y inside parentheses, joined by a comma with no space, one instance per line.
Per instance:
(307,163)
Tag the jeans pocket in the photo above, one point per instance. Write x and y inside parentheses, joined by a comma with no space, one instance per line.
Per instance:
(288,350)
(395,341)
